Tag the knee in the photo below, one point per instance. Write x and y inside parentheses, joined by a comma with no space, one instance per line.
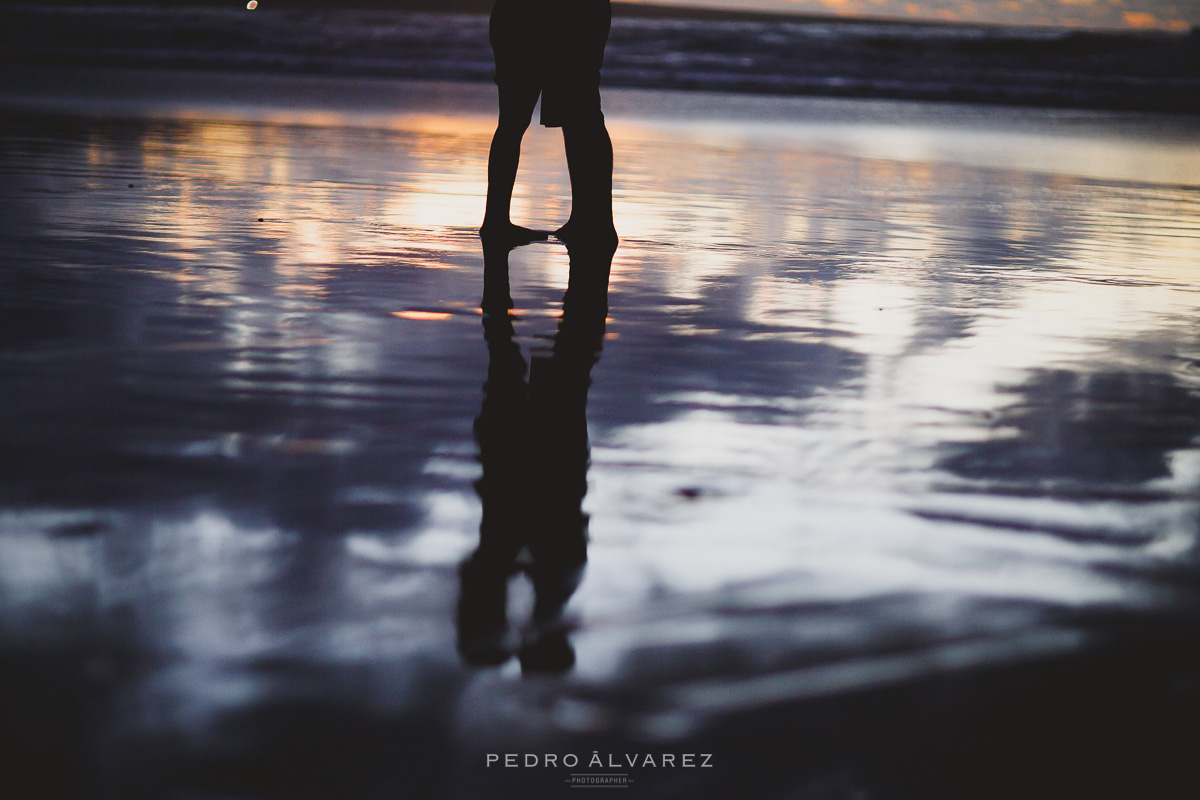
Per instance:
(591,132)
(591,124)
(513,126)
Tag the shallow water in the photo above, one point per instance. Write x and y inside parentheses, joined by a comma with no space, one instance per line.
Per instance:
(886,393)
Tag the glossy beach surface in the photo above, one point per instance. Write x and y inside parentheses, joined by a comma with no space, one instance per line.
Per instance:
(891,398)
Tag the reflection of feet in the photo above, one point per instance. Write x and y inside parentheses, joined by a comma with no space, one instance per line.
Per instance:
(593,234)
(496,300)
(507,235)
(485,650)
(549,652)
(482,617)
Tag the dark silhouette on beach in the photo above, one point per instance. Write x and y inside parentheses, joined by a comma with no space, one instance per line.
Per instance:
(533,445)
(554,50)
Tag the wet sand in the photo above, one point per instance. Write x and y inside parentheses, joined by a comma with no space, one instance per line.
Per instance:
(893,478)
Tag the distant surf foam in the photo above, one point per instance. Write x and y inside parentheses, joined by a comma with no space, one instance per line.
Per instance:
(1145,71)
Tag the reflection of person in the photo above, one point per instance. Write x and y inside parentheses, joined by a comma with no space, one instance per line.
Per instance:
(533,446)
(551,48)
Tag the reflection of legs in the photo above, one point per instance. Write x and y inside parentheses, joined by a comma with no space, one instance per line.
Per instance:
(482,605)
(558,390)
(590,164)
(516,109)
(497,299)
(500,433)
(558,526)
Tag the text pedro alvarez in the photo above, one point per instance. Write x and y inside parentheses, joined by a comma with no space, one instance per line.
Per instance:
(614,760)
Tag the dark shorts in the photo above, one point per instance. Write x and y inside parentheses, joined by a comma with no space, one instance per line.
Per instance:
(555,47)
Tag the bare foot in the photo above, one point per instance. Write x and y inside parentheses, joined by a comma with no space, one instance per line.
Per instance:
(599,233)
(505,234)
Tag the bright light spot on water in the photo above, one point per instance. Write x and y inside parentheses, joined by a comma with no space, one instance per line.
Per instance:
(427,315)
(253,4)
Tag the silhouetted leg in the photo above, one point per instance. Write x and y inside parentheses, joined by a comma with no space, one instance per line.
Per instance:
(574,91)
(516,110)
(590,165)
